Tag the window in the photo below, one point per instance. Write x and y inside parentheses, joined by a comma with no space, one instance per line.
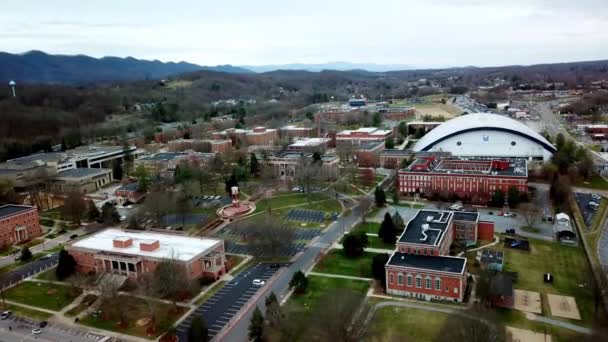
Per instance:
(459,143)
(400,279)
(438,284)
(513,143)
(428,283)
(390,277)
(418,281)
(131,267)
(409,280)
(455,290)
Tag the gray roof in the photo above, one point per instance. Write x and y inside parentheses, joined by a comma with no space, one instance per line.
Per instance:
(81,172)
(11,209)
(428,262)
(492,257)
(129,187)
(164,156)
(465,216)
(437,221)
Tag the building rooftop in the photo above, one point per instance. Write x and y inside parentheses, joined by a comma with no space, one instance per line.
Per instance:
(12,209)
(134,186)
(396,152)
(369,146)
(366,130)
(309,142)
(171,246)
(81,172)
(498,167)
(427,227)
(164,156)
(296,128)
(428,262)
(466,216)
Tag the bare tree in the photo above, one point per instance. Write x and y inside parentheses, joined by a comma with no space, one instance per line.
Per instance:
(268,238)
(530,212)
(479,325)
(170,281)
(333,320)
(361,209)
(74,207)
(158,204)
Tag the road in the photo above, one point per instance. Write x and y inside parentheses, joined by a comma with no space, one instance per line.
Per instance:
(238,331)
(50,244)
(21,330)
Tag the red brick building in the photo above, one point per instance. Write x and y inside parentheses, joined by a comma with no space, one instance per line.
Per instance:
(18,223)
(362,135)
(421,266)
(292,132)
(257,136)
(474,179)
(134,253)
(368,154)
(399,115)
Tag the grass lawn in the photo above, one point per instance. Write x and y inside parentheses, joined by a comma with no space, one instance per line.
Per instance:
(54,213)
(87,301)
(139,310)
(568,264)
(517,319)
(329,206)
(43,295)
(25,312)
(335,262)
(9,250)
(376,242)
(530,229)
(47,275)
(404,324)
(368,227)
(214,288)
(596,182)
(288,200)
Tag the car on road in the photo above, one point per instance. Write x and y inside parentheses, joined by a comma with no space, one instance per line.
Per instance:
(507,214)
(123,217)
(43,324)
(5,315)
(275,265)
(48,256)
(73,236)
(36,331)
(258,282)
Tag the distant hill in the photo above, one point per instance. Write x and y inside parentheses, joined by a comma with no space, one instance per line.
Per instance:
(339,66)
(40,67)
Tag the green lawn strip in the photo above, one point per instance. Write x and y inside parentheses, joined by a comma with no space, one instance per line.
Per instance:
(47,275)
(25,312)
(368,227)
(328,206)
(9,251)
(405,324)
(43,295)
(376,242)
(288,200)
(596,182)
(138,309)
(568,265)
(335,262)
(304,304)
(216,287)
(238,269)
(86,301)
(54,213)
(530,229)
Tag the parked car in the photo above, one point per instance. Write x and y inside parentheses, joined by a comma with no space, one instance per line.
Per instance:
(36,331)
(5,315)
(48,256)
(73,236)
(258,282)
(43,324)
(511,231)
(275,265)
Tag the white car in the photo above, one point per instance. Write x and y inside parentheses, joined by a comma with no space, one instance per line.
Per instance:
(258,282)
(508,214)
(36,331)
(123,217)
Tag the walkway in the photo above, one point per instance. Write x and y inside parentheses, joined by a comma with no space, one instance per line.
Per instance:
(330,275)
(367,249)
(496,241)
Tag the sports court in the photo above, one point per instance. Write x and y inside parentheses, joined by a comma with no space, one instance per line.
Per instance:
(524,335)
(528,301)
(563,306)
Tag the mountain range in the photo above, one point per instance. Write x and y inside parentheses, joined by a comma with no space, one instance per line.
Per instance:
(40,67)
(340,66)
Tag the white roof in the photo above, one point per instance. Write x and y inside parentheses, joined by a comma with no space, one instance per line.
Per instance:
(562,216)
(171,246)
(477,121)
(309,142)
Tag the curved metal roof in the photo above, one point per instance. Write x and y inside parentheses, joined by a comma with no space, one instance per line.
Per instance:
(479,122)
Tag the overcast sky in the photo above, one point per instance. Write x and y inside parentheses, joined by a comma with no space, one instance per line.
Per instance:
(257,32)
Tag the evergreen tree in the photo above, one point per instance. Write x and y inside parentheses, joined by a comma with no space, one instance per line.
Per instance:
(378,271)
(273,310)
(26,254)
(398,222)
(254,167)
(316,158)
(299,282)
(198,330)
(109,214)
(143,178)
(389,143)
(230,182)
(379,197)
(354,244)
(387,230)
(116,170)
(66,265)
(514,196)
(93,214)
(256,326)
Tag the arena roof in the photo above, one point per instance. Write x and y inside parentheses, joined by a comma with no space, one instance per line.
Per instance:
(479,122)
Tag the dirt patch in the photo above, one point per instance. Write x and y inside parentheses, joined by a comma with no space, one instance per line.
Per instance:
(527,301)
(563,306)
(51,291)
(523,335)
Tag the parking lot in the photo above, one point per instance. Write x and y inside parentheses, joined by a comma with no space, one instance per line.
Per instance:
(582,200)
(285,250)
(303,215)
(28,270)
(218,310)
(52,332)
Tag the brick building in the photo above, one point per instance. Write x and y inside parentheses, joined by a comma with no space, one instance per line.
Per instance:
(200,145)
(368,154)
(134,253)
(257,136)
(18,223)
(292,132)
(474,179)
(362,135)
(421,266)
(309,145)
(82,180)
(399,114)
(287,164)
(393,158)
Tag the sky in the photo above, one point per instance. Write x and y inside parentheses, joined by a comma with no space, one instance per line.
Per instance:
(429,33)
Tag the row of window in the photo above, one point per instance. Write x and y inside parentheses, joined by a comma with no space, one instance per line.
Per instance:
(459,143)
(428,282)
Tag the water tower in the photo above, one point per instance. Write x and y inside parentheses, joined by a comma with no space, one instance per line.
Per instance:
(12,85)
